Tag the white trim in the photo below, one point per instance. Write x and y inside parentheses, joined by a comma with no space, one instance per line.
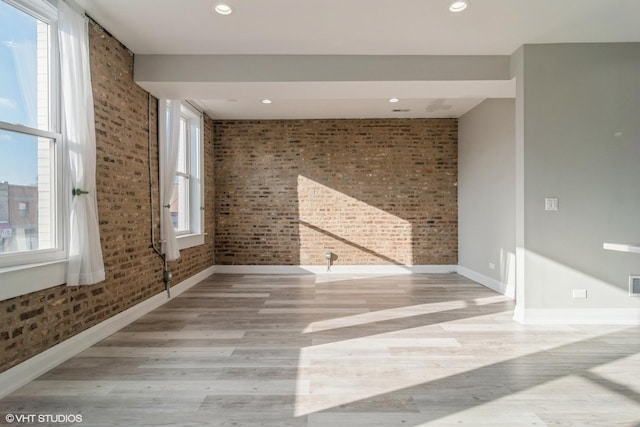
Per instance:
(24,279)
(580,316)
(517,74)
(194,155)
(190,240)
(337,269)
(29,370)
(433,269)
(17,128)
(40,9)
(506,289)
(25,272)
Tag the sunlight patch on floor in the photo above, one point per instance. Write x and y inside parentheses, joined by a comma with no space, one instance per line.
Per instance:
(352,372)
(383,315)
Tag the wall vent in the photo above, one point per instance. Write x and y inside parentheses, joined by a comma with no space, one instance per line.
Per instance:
(400,110)
(634,286)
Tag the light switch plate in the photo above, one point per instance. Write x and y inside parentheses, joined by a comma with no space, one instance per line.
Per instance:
(551,204)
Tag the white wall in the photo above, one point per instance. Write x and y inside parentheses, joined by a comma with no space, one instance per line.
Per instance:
(578,118)
(486,194)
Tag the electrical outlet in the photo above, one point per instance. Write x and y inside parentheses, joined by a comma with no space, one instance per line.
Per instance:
(634,286)
(492,266)
(579,293)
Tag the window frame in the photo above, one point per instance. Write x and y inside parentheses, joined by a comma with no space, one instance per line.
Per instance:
(29,271)
(194,158)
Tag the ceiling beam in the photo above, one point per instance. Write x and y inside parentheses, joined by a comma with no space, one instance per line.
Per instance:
(317,68)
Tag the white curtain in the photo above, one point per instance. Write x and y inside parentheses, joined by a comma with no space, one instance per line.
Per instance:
(169,117)
(78,128)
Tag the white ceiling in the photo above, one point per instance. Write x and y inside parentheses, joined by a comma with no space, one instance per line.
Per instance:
(354,27)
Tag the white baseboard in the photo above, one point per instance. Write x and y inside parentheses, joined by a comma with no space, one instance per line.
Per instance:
(27,371)
(508,290)
(433,269)
(580,316)
(335,269)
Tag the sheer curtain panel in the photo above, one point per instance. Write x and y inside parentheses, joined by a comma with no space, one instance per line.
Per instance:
(169,148)
(85,265)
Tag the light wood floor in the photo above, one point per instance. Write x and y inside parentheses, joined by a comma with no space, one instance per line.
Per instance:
(418,350)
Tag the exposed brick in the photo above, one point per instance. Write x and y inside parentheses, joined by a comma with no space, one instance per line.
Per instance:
(34,322)
(369,191)
(31,313)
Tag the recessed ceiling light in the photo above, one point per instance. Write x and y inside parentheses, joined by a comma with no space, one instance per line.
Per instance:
(392,100)
(266,101)
(458,6)
(223,9)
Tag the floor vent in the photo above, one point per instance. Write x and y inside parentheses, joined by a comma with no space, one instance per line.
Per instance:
(634,286)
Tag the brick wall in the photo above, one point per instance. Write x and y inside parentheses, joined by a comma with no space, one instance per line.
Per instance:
(369,191)
(31,323)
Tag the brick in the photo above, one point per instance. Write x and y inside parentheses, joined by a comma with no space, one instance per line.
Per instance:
(370,191)
(35,322)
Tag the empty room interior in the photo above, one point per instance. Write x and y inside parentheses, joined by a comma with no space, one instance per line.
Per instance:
(320,213)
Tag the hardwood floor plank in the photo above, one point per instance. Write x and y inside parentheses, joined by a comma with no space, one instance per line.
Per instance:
(200,294)
(182,335)
(344,350)
(438,418)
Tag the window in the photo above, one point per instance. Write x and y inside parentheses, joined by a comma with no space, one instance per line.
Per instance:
(23,210)
(30,221)
(186,202)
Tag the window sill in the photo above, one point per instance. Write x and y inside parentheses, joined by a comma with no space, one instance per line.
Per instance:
(623,247)
(190,240)
(24,279)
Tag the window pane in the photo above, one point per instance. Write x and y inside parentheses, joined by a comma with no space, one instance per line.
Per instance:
(182,150)
(26,193)
(24,67)
(180,204)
